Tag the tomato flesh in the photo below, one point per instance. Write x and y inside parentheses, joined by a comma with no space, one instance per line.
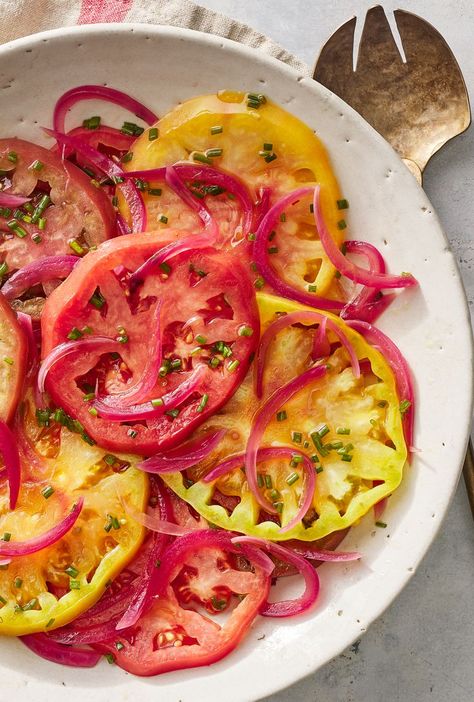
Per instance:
(173,635)
(13,355)
(77,210)
(205,300)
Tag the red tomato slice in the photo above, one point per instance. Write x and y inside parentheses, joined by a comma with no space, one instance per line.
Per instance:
(13,353)
(173,635)
(206,300)
(77,210)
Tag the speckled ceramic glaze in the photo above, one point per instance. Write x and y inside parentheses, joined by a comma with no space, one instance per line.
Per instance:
(430,324)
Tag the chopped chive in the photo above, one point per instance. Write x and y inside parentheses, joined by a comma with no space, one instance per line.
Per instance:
(12,156)
(110,459)
(18,582)
(6,536)
(382,403)
(157,402)
(283,217)
(97,300)
(115,201)
(213,153)
(47,492)
(201,158)
(268,481)
(8,360)
(32,604)
(323,430)
(95,183)
(251,236)
(36,165)
(50,622)
(41,223)
(311,208)
(260,481)
(173,413)
(131,129)
(278,506)
(40,208)
(318,443)
(165,268)
(76,247)
(404,406)
(110,658)
(214,362)
(245,331)
(273,250)
(93,411)
(3,268)
(88,397)
(91,122)
(37,238)
(306,444)
(126,158)
(154,191)
(346,457)
(334,445)
(312,288)
(142,185)
(197,350)
(74,334)
(382,525)
(119,645)
(16,228)
(201,339)
(292,478)
(70,570)
(343,430)
(319,469)
(281,416)
(153,134)
(218,129)
(132,433)
(203,403)
(296,458)
(88,171)
(341,224)
(233,365)
(259,283)
(296,437)
(268,147)
(275,495)
(3,600)
(122,337)
(163,219)
(342,204)
(270,157)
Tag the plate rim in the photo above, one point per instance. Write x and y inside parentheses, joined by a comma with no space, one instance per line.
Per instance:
(262,58)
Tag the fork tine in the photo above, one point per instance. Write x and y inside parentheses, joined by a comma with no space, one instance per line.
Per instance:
(420,38)
(334,63)
(377,49)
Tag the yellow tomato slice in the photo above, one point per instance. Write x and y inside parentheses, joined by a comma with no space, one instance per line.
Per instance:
(52,587)
(367,408)
(247,138)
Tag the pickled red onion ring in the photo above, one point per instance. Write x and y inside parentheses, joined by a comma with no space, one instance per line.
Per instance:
(262,418)
(287,608)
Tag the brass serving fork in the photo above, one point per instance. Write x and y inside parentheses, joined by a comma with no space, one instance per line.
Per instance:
(417,103)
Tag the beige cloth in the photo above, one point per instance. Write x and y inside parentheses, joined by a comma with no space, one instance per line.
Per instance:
(22,17)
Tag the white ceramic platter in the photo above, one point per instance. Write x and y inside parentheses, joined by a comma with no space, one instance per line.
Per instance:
(161,67)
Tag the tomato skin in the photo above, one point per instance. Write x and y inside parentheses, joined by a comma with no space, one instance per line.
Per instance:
(182,297)
(78,207)
(169,637)
(13,346)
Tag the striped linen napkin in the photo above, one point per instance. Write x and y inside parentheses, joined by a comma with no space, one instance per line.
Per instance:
(22,17)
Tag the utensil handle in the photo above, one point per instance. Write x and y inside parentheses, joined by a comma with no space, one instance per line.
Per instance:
(468,471)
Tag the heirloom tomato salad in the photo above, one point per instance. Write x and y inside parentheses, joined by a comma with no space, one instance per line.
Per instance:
(195,398)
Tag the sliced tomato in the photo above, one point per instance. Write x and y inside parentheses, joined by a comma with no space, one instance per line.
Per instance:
(51,587)
(206,299)
(75,211)
(361,414)
(174,633)
(13,353)
(271,151)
